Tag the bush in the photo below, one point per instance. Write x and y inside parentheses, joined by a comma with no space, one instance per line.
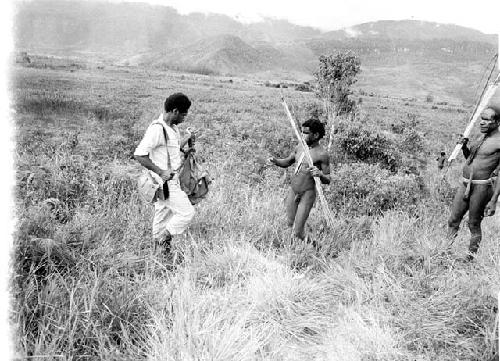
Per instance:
(335,76)
(367,146)
(412,142)
(366,189)
(302,88)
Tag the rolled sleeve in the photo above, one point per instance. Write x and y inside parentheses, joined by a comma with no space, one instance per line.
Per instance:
(152,139)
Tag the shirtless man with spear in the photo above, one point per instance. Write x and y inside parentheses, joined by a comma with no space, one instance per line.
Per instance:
(479,188)
(312,170)
(309,168)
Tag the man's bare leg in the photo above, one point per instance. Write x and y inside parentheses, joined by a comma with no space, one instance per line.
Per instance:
(304,208)
(480,196)
(291,204)
(458,210)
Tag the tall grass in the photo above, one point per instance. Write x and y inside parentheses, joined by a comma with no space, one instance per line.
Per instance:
(382,284)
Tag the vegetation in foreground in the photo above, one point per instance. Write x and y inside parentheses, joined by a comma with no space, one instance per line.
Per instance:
(383,284)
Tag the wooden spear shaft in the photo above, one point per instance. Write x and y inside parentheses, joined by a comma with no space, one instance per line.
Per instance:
(484,102)
(307,154)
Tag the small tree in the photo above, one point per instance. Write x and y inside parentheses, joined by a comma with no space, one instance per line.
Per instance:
(335,76)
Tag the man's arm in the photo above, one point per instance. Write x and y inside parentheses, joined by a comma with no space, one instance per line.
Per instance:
(492,204)
(324,173)
(184,141)
(146,162)
(190,135)
(153,137)
(284,162)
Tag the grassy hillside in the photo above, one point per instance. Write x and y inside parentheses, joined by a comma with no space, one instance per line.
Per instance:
(459,84)
(382,285)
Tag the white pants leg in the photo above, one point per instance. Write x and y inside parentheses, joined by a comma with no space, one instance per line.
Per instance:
(173,214)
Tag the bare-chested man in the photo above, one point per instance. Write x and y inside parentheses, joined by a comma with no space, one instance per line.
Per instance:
(478,192)
(302,193)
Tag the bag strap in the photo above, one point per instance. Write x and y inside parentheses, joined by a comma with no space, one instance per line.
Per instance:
(169,163)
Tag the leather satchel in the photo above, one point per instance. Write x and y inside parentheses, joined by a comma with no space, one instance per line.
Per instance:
(149,188)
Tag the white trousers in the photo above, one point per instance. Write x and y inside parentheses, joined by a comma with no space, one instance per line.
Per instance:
(173,214)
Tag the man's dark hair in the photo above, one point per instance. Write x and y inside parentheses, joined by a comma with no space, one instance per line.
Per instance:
(315,126)
(177,101)
(496,117)
(496,111)
(443,153)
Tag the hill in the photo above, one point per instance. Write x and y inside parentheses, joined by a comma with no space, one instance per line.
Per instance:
(134,26)
(222,53)
(410,30)
(146,35)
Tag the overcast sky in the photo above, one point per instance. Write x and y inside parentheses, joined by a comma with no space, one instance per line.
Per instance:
(482,15)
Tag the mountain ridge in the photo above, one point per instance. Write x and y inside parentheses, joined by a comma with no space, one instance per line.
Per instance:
(97,24)
(411,30)
(152,35)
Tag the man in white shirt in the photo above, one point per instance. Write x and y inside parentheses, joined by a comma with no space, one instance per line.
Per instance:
(160,152)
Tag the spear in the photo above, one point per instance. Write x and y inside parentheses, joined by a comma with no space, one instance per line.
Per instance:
(477,112)
(305,148)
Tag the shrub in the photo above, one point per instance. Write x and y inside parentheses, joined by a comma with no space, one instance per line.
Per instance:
(412,142)
(367,189)
(302,88)
(367,146)
(335,75)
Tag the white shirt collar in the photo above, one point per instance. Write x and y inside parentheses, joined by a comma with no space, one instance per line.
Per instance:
(160,120)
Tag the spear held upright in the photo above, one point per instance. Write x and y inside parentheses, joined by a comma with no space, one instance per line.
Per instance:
(492,88)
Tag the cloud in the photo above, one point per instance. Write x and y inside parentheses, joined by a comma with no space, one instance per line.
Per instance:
(330,15)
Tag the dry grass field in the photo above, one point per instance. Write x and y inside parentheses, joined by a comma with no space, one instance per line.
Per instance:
(383,284)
